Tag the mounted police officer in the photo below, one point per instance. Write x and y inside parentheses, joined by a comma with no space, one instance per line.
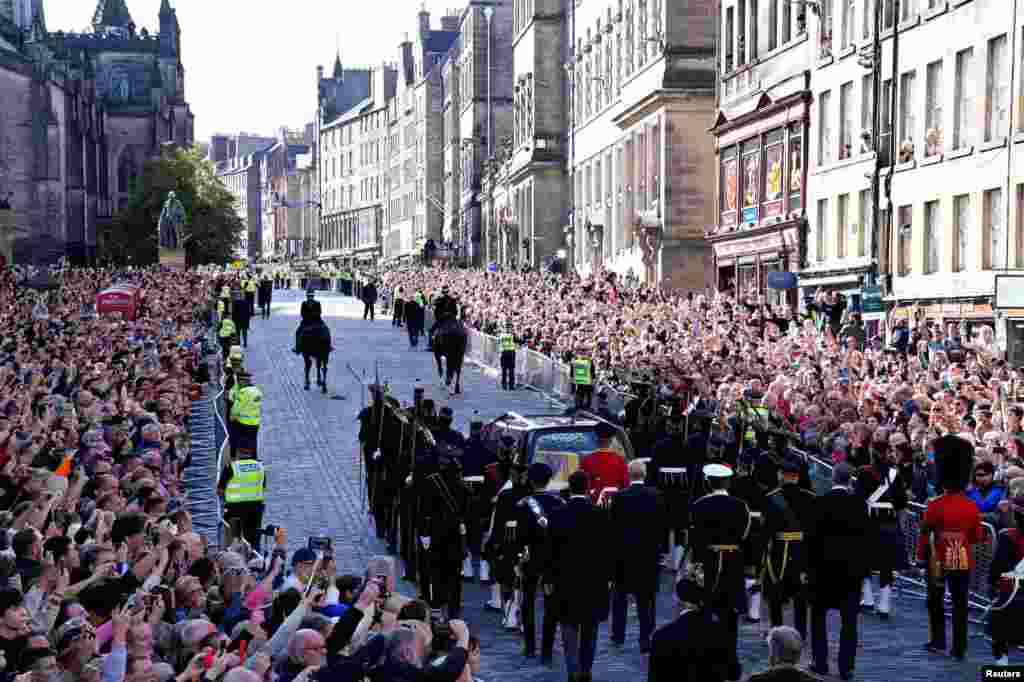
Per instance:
(719,524)
(445,308)
(310,311)
(532,514)
(789,511)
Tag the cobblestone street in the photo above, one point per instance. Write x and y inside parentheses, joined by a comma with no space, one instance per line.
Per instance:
(308,441)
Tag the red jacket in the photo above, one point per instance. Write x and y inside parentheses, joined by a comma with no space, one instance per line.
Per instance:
(606,469)
(955,522)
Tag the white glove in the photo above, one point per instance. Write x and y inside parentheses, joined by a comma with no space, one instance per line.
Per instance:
(425,541)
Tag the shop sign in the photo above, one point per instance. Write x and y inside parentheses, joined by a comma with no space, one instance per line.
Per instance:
(871,300)
(768,242)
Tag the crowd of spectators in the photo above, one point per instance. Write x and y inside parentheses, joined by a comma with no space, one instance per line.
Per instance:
(846,392)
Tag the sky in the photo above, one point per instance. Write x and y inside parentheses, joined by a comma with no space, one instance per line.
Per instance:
(250,65)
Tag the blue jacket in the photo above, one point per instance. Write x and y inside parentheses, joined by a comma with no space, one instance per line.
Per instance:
(986,502)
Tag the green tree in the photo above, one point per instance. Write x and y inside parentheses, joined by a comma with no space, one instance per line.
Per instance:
(212,230)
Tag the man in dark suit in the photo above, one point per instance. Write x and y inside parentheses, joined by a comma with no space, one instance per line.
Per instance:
(579,573)
(638,526)
(837,563)
(693,647)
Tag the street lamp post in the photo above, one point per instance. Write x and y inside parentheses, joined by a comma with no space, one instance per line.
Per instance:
(488,15)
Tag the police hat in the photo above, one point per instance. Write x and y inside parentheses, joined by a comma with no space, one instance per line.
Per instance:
(476,426)
(717,471)
(539,473)
(446,412)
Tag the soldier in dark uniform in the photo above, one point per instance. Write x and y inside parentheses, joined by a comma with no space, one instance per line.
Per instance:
(444,503)
(443,431)
(745,487)
(1007,587)
(789,512)
(380,434)
(671,454)
(241,314)
(309,312)
(445,308)
(475,460)
(532,513)
(640,417)
(502,549)
(719,523)
(882,487)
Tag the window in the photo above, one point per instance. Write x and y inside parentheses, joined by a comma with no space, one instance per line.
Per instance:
(822,231)
(729,30)
(868,27)
(846,38)
(933,109)
(962,124)
(825,30)
(773,24)
(824,129)
(842,224)
(865,210)
(885,136)
(787,26)
(905,228)
(932,236)
(908,9)
(995,230)
(846,120)
(741,29)
(887,13)
(867,106)
(997,96)
(908,123)
(962,215)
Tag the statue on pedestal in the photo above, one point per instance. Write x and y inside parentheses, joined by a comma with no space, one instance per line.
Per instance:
(171,242)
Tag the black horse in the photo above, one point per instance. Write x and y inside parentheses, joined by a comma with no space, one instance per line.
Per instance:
(314,343)
(451,341)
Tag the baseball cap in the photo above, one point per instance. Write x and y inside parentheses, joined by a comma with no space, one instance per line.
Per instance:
(303,555)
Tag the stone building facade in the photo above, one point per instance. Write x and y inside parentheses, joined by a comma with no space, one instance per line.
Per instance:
(82,113)
(281,195)
(354,173)
(643,165)
(237,161)
(415,188)
(478,108)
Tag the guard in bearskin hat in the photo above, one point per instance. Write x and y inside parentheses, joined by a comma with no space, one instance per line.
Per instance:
(1006,578)
(882,487)
(949,530)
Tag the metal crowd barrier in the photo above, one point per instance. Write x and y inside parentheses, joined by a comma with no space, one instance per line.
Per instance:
(547,375)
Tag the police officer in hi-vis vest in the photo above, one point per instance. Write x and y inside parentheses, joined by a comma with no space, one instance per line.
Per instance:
(507,345)
(246,407)
(242,485)
(249,289)
(583,371)
(226,334)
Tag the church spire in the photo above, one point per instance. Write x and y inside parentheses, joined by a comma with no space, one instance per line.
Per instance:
(339,73)
(165,7)
(111,14)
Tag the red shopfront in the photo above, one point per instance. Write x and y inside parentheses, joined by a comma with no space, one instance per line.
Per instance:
(762,180)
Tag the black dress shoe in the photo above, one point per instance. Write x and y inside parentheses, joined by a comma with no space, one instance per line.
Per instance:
(935,648)
(819,670)
(848,675)
(529,654)
(959,655)
(645,647)
(546,660)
